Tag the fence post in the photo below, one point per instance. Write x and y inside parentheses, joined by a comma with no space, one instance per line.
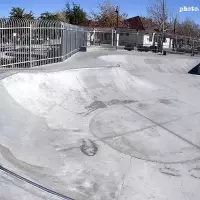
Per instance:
(117,38)
(62,42)
(30,45)
(75,38)
(112,38)
(192,54)
(137,39)
(94,36)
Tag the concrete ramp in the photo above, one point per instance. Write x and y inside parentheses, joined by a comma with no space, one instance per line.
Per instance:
(153,63)
(102,133)
(75,89)
(195,70)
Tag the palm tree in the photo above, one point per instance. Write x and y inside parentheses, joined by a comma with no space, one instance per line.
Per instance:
(48,16)
(29,15)
(59,16)
(17,12)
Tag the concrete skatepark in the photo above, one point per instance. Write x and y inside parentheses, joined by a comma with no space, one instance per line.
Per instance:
(103,125)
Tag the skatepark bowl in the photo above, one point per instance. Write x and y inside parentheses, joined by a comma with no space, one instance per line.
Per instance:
(103,125)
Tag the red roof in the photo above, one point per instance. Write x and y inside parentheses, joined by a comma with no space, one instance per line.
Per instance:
(140,23)
(90,23)
(96,24)
(136,23)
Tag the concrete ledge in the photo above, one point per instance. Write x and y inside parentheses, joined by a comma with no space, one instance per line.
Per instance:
(83,48)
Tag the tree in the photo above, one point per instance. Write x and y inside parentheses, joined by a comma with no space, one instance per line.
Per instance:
(58,16)
(62,16)
(49,16)
(29,15)
(159,13)
(189,28)
(174,24)
(75,14)
(17,12)
(107,15)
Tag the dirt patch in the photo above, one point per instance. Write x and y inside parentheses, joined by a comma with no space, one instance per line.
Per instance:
(170,171)
(89,147)
(195,173)
(165,101)
(119,102)
(96,105)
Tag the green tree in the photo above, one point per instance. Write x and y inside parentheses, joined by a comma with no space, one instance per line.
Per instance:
(59,16)
(17,12)
(75,14)
(62,16)
(49,16)
(29,15)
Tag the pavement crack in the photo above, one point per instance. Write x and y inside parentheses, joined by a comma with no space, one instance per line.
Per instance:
(121,184)
(81,84)
(160,125)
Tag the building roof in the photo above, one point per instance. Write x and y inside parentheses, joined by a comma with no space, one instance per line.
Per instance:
(136,23)
(141,24)
(90,24)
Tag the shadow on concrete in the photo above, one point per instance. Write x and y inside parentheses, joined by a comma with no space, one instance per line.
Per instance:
(195,70)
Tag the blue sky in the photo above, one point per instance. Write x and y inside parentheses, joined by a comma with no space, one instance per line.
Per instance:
(131,7)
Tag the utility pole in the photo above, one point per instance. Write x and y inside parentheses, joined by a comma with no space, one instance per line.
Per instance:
(117,11)
(174,32)
(163,24)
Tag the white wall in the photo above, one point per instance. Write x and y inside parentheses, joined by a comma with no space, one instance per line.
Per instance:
(130,37)
(146,41)
(127,38)
(89,38)
(167,43)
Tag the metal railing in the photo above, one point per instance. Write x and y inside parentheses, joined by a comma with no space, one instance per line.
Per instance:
(102,36)
(27,43)
(143,41)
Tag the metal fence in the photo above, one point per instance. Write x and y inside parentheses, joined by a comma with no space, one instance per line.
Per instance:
(29,43)
(102,36)
(156,41)
(25,43)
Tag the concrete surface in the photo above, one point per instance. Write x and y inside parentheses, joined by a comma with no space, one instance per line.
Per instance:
(104,125)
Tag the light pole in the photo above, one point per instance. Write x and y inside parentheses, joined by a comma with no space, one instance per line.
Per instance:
(117,11)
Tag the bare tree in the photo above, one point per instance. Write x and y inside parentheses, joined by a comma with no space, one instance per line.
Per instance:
(189,28)
(155,12)
(107,15)
(174,23)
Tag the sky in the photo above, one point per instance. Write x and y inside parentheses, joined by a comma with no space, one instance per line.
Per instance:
(131,7)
